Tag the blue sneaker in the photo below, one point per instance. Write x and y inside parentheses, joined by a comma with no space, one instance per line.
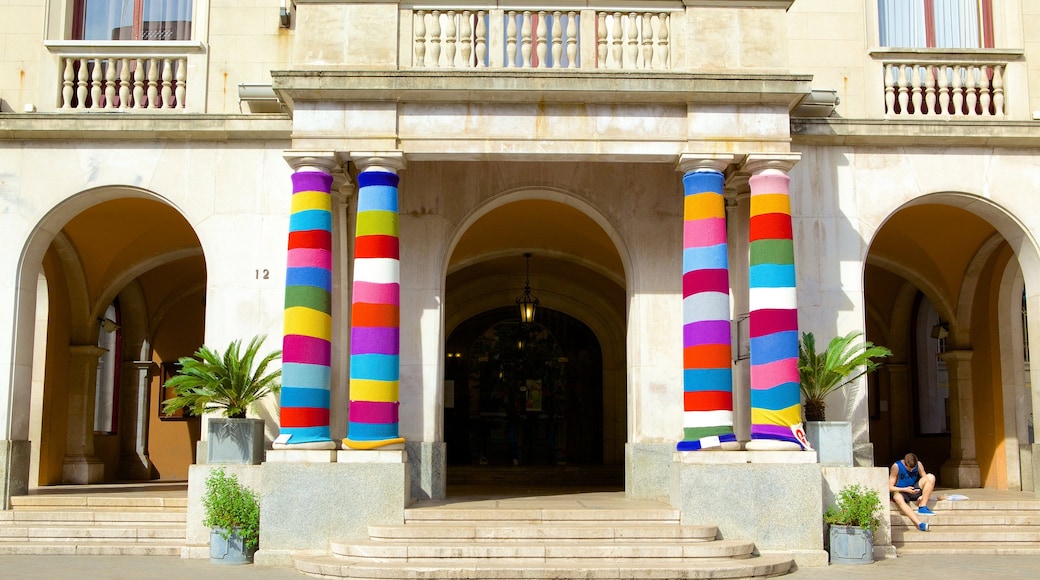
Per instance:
(924,511)
(923,526)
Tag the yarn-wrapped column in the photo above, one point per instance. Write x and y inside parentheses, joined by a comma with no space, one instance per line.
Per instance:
(375,319)
(707,370)
(773,325)
(306,343)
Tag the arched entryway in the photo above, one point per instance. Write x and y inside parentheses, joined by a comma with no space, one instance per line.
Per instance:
(545,401)
(944,290)
(120,296)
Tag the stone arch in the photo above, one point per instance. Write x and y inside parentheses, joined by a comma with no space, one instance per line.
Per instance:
(558,292)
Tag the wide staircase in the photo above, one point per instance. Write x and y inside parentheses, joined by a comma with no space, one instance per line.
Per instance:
(108,523)
(988,522)
(589,535)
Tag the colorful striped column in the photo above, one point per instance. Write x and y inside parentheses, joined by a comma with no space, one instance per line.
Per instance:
(375,319)
(306,343)
(707,370)
(775,397)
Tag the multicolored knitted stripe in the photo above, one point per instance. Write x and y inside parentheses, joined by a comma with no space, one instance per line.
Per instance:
(775,397)
(306,346)
(375,321)
(707,370)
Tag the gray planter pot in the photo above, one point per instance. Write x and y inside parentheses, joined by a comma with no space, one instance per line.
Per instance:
(229,551)
(832,441)
(851,545)
(237,441)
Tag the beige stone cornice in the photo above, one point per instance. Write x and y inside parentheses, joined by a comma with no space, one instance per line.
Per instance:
(952,132)
(540,86)
(144,127)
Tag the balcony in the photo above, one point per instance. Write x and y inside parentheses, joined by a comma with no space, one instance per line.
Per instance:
(938,83)
(541,39)
(127,76)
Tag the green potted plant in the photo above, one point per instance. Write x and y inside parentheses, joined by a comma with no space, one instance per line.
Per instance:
(857,512)
(228,384)
(233,516)
(842,362)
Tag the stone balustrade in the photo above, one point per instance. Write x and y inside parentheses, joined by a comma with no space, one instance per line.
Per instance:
(932,83)
(540,39)
(100,82)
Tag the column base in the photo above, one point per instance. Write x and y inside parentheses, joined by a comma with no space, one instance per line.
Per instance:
(312,445)
(299,455)
(960,473)
(82,469)
(14,470)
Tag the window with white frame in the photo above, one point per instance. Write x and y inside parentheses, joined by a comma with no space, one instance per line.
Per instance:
(148,20)
(935,23)
(106,396)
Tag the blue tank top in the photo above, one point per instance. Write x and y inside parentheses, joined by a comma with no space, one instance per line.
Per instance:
(906,478)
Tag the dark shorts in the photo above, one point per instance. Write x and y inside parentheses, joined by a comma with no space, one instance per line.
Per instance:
(909,497)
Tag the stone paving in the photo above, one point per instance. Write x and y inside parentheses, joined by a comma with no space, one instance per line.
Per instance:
(158,567)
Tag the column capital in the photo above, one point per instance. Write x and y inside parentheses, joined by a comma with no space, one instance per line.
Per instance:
(955,356)
(710,161)
(392,161)
(342,184)
(757,163)
(301,160)
(86,350)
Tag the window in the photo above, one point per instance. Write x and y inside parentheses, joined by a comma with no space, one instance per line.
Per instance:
(106,397)
(150,20)
(936,23)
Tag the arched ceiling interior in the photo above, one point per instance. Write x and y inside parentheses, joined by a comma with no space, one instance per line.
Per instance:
(571,254)
(125,233)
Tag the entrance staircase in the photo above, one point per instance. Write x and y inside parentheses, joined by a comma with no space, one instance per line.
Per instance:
(96,524)
(591,535)
(988,522)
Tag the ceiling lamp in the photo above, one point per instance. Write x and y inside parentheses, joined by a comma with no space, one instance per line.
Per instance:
(525,302)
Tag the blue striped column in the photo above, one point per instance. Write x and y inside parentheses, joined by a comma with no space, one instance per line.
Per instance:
(707,349)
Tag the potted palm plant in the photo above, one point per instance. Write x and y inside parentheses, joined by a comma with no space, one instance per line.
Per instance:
(833,368)
(233,516)
(228,384)
(854,517)
(843,361)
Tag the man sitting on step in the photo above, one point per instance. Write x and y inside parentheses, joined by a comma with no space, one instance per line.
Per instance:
(909,482)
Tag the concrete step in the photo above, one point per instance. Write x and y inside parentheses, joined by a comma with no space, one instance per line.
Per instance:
(974,518)
(447,514)
(605,532)
(967,534)
(86,502)
(506,569)
(88,549)
(90,517)
(46,533)
(972,548)
(544,551)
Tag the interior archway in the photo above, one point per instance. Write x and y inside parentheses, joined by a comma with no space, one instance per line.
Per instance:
(937,283)
(575,428)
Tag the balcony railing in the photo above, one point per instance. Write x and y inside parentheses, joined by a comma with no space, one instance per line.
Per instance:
(541,39)
(124,76)
(936,83)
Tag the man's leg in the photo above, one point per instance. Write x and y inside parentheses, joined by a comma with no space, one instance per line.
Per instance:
(905,508)
(927,484)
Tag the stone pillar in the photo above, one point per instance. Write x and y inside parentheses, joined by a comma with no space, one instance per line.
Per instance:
(707,347)
(134,463)
(738,208)
(80,464)
(962,468)
(375,316)
(307,340)
(776,414)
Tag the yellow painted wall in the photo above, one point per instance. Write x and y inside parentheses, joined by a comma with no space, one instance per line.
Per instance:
(56,373)
(986,378)
(171,444)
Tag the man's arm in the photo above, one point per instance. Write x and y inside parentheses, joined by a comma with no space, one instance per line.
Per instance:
(893,473)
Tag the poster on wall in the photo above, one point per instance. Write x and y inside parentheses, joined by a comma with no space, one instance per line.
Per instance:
(534,395)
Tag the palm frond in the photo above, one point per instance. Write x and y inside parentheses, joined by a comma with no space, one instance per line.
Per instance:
(226,383)
(843,361)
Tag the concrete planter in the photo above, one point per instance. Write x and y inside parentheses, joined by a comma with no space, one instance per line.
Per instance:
(230,551)
(851,545)
(832,441)
(236,441)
